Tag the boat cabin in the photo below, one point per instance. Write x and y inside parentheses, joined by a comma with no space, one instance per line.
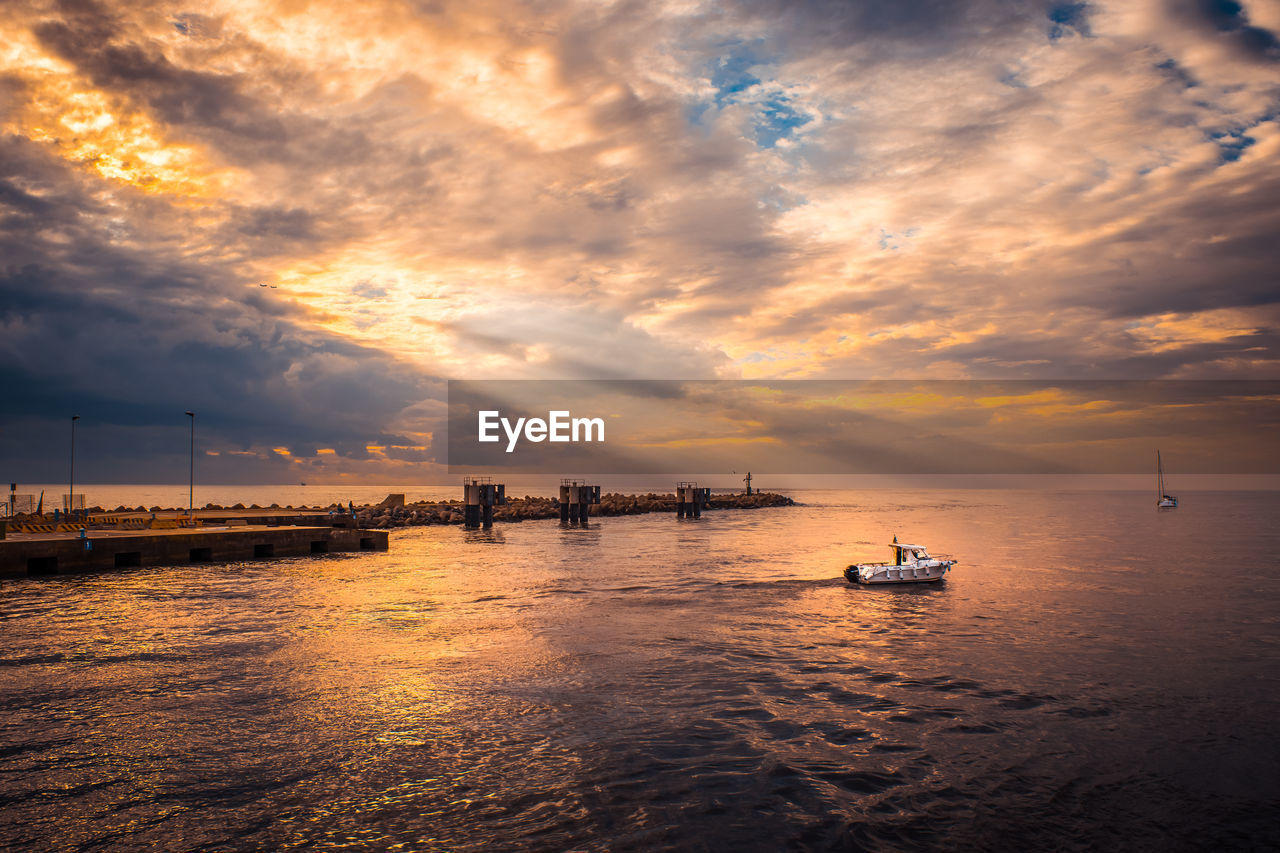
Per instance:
(907,555)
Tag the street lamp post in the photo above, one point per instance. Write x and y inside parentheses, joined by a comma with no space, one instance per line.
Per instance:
(191,493)
(71,484)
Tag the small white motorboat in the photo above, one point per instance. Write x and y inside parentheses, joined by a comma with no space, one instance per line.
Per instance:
(911,564)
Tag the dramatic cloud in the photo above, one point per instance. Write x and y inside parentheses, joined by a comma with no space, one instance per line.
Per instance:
(297,218)
(868,426)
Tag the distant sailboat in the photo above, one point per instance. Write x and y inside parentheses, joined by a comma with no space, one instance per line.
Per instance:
(1163,498)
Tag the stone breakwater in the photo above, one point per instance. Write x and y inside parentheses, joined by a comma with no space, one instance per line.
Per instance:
(530,508)
(394,512)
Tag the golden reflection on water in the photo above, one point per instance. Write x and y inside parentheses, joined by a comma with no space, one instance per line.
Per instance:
(472,688)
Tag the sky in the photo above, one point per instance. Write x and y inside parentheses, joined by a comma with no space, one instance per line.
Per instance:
(868,427)
(301,219)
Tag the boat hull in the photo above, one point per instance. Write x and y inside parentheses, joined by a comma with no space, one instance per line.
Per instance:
(870,575)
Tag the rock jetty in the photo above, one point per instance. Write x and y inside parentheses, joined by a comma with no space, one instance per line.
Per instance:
(395,512)
(381,516)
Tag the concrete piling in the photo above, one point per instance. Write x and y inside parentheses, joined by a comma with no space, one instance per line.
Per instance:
(480,496)
(691,500)
(576,498)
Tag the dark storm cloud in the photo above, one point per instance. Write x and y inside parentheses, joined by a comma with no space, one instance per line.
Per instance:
(1229,21)
(129,339)
(95,41)
(1132,359)
(242,115)
(1223,256)
(264,232)
(917,21)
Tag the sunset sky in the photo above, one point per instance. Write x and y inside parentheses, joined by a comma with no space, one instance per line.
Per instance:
(300,218)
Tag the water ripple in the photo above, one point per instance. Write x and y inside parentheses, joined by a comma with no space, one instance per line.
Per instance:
(647,685)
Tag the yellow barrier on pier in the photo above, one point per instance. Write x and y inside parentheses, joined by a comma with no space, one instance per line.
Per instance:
(121,522)
(35,527)
(46,527)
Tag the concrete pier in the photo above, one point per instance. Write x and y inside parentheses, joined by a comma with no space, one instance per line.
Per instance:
(691,500)
(576,498)
(97,550)
(480,496)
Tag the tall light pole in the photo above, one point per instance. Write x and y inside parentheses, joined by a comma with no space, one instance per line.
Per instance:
(191,494)
(71,484)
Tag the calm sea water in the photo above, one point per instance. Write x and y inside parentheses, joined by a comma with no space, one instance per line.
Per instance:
(1095,674)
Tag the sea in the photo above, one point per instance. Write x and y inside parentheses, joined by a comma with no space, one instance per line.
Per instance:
(1094,674)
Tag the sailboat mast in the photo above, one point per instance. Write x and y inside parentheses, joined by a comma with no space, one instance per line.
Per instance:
(1159,477)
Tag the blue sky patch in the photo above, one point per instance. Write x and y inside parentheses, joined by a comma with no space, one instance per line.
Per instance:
(777,120)
(1010,78)
(730,75)
(1231,144)
(1228,15)
(1171,69)
(694,112)
(1065,18)
(891,242)
(776,116)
